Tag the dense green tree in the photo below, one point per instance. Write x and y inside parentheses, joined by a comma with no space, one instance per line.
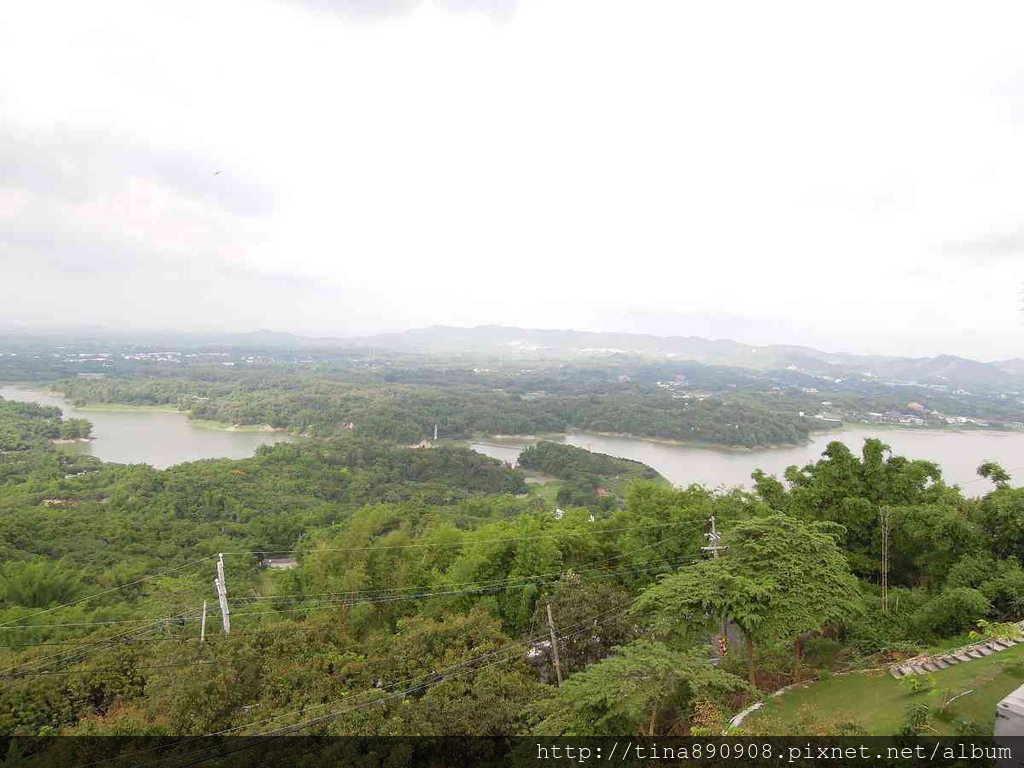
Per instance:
(995,473)
(1001,517)
(779,579)
(953,611)
(643,686)
(594,612)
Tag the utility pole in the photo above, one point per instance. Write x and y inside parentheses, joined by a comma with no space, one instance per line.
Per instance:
(202,625)
(714,547)
(435,432)
(714,540)
(554,646)
(884,515)
(222,595)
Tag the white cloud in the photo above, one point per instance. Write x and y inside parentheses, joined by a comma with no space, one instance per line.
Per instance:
(796,169)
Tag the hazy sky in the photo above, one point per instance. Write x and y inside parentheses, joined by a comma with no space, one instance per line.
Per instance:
(845,175)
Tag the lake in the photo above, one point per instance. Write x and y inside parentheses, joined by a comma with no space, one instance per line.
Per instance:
(140,436)
(163,438)
(958,454)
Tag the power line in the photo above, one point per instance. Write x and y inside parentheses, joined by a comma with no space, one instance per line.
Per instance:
(396,694)
(982,479)
(446,593)
(111,589)
(86,623)
(434,678)
(237,728)
(118,640)
(95,644)
(453,543)
(665,562)
(357,596)
(24,675)
(8,625)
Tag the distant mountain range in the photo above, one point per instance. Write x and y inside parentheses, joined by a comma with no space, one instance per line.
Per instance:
(522,343)
(519,342)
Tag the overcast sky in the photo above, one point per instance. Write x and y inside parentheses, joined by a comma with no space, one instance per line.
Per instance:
(849,176)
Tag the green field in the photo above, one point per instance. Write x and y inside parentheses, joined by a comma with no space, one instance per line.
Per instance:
(877,702)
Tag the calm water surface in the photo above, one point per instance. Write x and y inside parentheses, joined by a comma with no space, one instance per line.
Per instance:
(150,437)
(958,454)
(163,439)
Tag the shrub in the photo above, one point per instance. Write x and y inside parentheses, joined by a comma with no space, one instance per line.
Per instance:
(1006,591)
(952,612)
(874,632)
(916,721)
(969,728)
(916,684)
(971,571)
(821,652)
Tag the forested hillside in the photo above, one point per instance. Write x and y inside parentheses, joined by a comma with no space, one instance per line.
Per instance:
(402,395)
(27,426)
(590,479)
(407,413)
(417,604)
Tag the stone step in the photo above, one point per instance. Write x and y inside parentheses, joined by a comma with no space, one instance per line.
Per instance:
(1004,643)
(904,671)
(995,645)
(984,650)
(918,670)
(964,657)
(895,671)
(930,666)
(951,660)
(940,663)
(976,654)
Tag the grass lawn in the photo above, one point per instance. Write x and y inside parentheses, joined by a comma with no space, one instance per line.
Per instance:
(877,702)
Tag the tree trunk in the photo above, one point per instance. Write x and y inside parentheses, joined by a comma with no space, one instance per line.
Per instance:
(798,651)
(654,717)
(751,660)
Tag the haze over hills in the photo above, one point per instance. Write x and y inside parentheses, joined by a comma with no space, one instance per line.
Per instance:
(524,343)
(502,340)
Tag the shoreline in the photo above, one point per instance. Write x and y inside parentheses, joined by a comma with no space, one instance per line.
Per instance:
(122,407)
(223,426)
(845,427)
(144,408)
(531,438)
(560,436)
